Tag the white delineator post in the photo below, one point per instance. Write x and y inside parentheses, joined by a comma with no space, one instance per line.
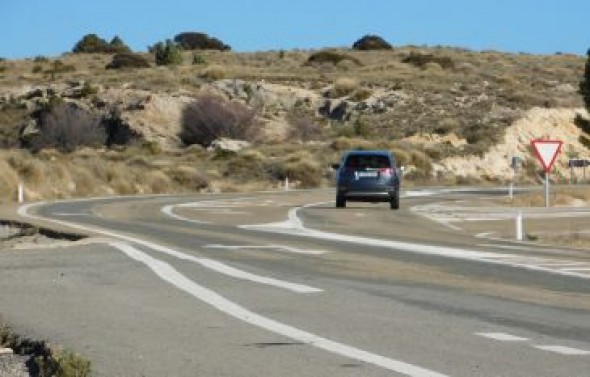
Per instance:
(546,189)
(21,193)
(286,183)
(519,226)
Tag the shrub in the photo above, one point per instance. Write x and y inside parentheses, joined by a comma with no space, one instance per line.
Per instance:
(66,127)
(128,60)
(37,68)
(371,42)
(303,128)
(59,67)
(209,118)
(585,83)
(199,59)
(421,60)
(361,94)
(214,72)
(343,87)
(118,46)
(168,53)
(331,57)
(306,173)
(585,141)
(40,59)
(582,123)
(188,176)
(92,43)
(199,41)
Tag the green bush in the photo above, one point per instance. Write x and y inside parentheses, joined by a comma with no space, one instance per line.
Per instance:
(371,42)
(45,361)
(199,59)
(421,60)
(167,53)
(59,67)
(128,60)
(199,41)
(331,57)
(585,83)
(92,43)
(582,123)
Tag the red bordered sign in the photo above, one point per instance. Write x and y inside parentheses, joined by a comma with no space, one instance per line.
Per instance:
(547,151)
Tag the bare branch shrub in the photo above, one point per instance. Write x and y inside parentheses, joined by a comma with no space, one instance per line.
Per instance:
(210,118)
(303,128)
(66,127)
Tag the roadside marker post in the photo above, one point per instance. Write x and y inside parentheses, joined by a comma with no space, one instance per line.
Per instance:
(21,193)
(519,226)
(546,152)
(515,164)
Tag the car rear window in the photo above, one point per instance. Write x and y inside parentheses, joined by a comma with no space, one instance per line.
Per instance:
(357,161)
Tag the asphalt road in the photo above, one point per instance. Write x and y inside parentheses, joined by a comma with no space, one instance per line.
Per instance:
(284,284)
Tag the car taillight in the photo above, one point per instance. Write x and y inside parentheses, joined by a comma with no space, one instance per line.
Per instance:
(386,171)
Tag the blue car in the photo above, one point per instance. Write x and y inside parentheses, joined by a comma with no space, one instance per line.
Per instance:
(367,176)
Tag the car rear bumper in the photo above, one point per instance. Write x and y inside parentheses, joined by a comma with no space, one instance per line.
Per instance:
(375,195)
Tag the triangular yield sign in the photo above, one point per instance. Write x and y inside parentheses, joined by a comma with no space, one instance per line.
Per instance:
(547,151)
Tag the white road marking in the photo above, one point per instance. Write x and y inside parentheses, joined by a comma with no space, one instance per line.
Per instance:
(576,269)
(169,274)
(564,350)
(509,247)
(169,211)
(294,226)
(268,247)
(502,337)
(205,262)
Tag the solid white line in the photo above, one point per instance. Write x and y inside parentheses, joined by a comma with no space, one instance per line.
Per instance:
(564,350)
(502,337)
(208,263)
(169,211)
(510,247)
(268,247)
(169,274)
(576,269)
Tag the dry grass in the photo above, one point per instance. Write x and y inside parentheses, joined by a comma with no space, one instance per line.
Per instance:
(456,99)
(343,86)
(558,196)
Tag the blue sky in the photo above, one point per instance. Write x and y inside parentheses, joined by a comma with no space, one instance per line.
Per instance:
(51,27)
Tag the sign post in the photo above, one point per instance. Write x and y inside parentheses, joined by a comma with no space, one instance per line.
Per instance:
(546,152)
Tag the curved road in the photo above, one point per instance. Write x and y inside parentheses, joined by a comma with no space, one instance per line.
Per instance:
(283,284)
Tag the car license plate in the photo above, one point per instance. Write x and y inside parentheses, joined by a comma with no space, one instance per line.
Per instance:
(367,174)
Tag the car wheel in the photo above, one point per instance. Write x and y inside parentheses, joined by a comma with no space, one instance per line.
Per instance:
(394,201)
(340,202)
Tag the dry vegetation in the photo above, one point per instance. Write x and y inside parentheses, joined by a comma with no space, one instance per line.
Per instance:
(410,92)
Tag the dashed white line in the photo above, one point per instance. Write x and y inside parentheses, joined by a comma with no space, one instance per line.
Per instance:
(169,274)
(502,337)
(568,351)
(563,350)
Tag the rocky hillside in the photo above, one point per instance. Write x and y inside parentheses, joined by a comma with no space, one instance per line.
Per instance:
(451,115)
